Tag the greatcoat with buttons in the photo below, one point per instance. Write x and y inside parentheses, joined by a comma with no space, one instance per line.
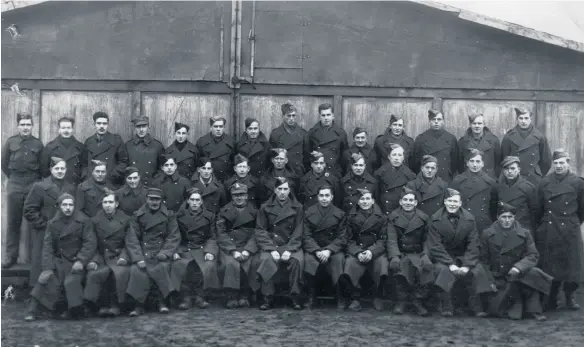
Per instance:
(431,193)
(523,196)
(89,195)
(381,147)
(309,184)
(220,151)
(294,142)
(174,189)
(130,200)
(213,194)
(391,180)
(489,144)
(268,181)
(256,151)
(331,142)
(558,237)
(112,151)
(533,151)
(144,153)
(253,188)
(478,197)
(186,159)
(349,185)
(443,146)
(370,155)
(74,154)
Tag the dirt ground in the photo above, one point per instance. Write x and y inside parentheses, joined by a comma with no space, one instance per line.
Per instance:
(284,327)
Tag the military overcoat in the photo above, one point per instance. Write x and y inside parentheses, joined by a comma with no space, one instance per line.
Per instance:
(533,151)
(220,151)
(331,142)
(257,152)
(523,196)
(478,197)
(186,159)
(112,151)
(89,195)
(443,146)
(431,193)
(75,154)
(254,191)
(144,154)
(489,144)
(130,200)
(295,142)
(309,184)
(350,185)
(383,141)
(370,155)
(174,189)
(391,181)
(214,194)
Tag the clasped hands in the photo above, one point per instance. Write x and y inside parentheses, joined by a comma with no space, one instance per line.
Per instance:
(241,256)
(323,255)
(365,256)
(459,271)
(284,257)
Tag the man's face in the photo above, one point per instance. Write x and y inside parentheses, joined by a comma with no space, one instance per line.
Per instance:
(101,125)
(218,128)
(67,207)
(475,164)
(66,129)
(25,127)
(397,127)
(206,171)
(524,120)
(506,220)
(327,117)
(169,167)
(408,202)
(242,169)
(396,157)
(361,139)
(133,180)
(141,130)
(282,191)
(195,201)
(511,171)
(437,122)
(359,167)
(429,170)
(290,118)
(153,202)
(453,203)
(181,135)
(561,166)
(58,171)
(239,199)
(99,173)
(318,166)
(109,204)
(366,201)
(325,196)
(478,125)
(280,161)
(253,130)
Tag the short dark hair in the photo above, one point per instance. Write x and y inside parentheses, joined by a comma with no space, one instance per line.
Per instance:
(66,119)
(217,119)
(100,114)
(21,116)
(325,106)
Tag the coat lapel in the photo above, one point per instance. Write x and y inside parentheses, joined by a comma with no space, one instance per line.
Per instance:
(243,218)
(473,187)
(73,227)
(558,188)
(435,145)
(155,219)
(372,220)
(285,212)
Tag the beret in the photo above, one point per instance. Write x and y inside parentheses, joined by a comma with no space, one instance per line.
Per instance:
(358,130)
(452,192)
(315,155)
(97,162)
(405,191)
(393,118)
(355,157)
(560,153)
(65,196)
(433,113)
(503,207)
(520,111)
(56,160)
(239,159)
(276,152)
(280,181)
(131,169)
(473,152)
(363,191)
(472,117)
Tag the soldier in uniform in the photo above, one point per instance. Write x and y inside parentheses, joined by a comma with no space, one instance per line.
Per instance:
(278,234)
(243,176)
(40,207)
(109,271)
(391,177)
(316,177)
(132,195)
(107,147)
(254,145)
(144,151)
(367,233)
(360,145)
(439,143)
(20,163)
(358,178)
(324,243)
(279,168)
(195,263)
(453,249)
(329,139)
(235,237)
(183,151)
(478,190)
(66,146)
(508,251)
(394,133)
(514,189)
(68,246)
(408,253)
(152,241)
(219,147)
(430,188)
(90,192)
(530,145)
(480,137)
(558,238)
(174,186)
(212,190)
(291,137)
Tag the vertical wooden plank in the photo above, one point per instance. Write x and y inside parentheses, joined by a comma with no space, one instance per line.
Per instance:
(338,108)
(136,104)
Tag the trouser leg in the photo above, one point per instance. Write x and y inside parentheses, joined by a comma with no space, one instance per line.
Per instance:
(17,192)
(552,303)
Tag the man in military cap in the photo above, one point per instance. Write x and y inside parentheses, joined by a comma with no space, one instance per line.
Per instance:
(144,151)
(431,189)
(21,156)
(219,147)
(453,248)
(107,147)
(90,192)
(244,177)
(292,137)
(480,137)
(391,177)
(394,133)
(439,143)
(558,238)
(278,234)
(152,241)
(235,237)
(360,145)
(530,145)
(324,243)
(508,252)
(279,168)
(514,189)
(174,186)
(183,151)
(327,138)
(68,246)
(66,146)
(316,177)
(132,195)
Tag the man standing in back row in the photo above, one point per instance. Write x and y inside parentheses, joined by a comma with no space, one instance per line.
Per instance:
(219,147)
(291,137)
(144,151)
(329,139)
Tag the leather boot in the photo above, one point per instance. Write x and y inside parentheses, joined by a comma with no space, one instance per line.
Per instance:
(231,299)
(200,302)
(420,309)
(446,307)
(296,302)
(268,303)
(32,310)
(571,303)
(399,308)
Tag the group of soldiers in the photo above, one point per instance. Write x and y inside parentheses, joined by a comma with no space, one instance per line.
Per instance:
(478,221)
